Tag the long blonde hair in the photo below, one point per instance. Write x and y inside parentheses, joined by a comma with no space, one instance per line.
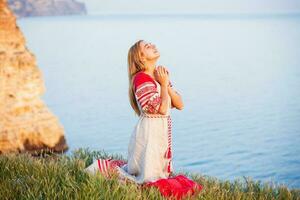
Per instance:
(135,65)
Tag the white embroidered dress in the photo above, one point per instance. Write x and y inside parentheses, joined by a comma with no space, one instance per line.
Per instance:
(149,150)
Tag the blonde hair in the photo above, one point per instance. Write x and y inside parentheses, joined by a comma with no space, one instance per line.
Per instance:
(135,65)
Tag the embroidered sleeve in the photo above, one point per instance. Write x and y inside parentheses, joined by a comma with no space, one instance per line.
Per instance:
(146,94)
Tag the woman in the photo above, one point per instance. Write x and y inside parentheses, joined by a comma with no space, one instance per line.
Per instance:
(149,159)
(151,96)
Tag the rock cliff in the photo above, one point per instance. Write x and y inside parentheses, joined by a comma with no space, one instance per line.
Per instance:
(26,124)
(26,8)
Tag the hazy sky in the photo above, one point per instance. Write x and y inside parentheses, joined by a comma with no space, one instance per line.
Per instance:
(194,6)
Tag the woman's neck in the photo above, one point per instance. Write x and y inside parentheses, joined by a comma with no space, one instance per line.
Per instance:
(150,67)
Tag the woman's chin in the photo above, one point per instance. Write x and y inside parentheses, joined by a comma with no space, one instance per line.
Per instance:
(155,57)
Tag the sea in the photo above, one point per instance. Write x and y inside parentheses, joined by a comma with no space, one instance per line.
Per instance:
(239,78)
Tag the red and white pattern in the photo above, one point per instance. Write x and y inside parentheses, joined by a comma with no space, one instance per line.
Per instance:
(146,93)
(169,150)
(107,166)
(176,187)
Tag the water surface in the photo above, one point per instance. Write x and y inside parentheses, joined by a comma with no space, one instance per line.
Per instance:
(238,76)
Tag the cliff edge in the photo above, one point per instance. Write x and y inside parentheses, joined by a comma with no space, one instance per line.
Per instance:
(26,124)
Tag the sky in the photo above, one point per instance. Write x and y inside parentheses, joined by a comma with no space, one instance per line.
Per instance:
(192,6)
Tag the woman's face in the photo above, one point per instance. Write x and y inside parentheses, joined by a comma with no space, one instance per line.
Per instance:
(149,51)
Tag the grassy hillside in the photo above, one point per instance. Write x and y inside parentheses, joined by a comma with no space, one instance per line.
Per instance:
(53,176)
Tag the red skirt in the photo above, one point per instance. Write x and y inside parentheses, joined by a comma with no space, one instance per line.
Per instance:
(178,186)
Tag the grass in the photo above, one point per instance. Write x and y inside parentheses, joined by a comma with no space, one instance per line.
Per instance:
(55,176)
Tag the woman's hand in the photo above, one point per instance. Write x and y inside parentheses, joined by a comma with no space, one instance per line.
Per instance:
(161,74)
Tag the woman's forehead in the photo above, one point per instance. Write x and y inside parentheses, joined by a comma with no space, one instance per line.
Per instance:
(143,43)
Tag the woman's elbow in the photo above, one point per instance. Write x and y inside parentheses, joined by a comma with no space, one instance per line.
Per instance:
(162,110)
(180,107)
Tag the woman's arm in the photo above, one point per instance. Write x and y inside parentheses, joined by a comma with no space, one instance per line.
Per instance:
(162,77)
(175,98)
(164,99)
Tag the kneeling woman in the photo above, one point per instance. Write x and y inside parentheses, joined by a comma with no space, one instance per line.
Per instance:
(151,96)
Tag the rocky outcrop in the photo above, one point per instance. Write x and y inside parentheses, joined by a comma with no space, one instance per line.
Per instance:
(25,8)
(26,124)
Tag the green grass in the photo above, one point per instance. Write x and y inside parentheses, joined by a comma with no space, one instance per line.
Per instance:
(54,176)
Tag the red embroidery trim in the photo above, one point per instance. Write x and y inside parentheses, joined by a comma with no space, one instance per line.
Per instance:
(153,105)
(142,91)
(169,150)
(146,94)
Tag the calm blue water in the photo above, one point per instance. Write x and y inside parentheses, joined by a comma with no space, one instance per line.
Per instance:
(239,79)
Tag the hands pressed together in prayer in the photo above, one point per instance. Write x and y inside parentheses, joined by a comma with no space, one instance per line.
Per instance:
(161,75)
